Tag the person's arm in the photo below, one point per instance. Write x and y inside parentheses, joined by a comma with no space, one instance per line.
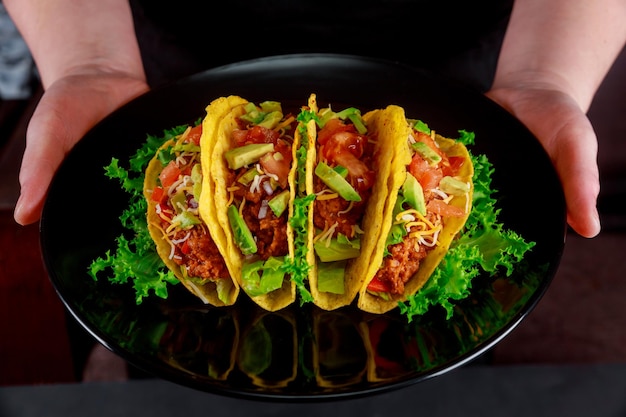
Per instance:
(554,57)
(88,58)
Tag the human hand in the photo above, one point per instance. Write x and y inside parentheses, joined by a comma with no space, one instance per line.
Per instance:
(569,139)
(67,110)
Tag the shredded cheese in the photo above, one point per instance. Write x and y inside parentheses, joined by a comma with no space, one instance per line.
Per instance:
(326,234)
(179,241)
(241,206)
(255,185)
(231,194)
(174,186)
(197,291)
(181,138)
(284,123)
(439,193)
(326,194)
(348,209)
(180,160)
(418,226)
(356,230)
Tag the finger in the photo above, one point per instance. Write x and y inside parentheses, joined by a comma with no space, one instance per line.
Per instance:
(45,148)
(576,163)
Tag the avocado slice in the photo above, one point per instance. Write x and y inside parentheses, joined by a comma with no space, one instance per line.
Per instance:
(432,157)
(414,194)
(196,177)
(339,249)
(279,203)
(185,220)
(336,182)
(271,120)
(247,154)
(179,201)
(453,186)
(261,277)
(268,116)
(241,232)
(331,277)
(354,115)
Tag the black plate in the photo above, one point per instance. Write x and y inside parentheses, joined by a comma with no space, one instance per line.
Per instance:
(299,353)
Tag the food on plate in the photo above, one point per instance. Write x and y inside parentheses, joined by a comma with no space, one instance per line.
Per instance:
(428,202)
(249,166)
(172,189)
(327,205)
(348,164)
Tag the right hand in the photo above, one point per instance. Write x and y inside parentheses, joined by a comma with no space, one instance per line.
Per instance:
(68,108)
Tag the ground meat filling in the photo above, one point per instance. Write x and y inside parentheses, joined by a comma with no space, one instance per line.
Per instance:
(270,231)
(402,264)
(200,255)
(337,210)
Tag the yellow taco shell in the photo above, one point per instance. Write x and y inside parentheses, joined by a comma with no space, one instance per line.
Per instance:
(220,121)
(207,290)
(452,225)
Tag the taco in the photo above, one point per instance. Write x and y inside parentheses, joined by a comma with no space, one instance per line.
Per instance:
(428,203)
(173,188)
(249,166)
(348,163)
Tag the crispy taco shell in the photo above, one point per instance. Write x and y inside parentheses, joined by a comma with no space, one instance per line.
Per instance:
(205,289)
(383,127)
(218,125)
(450,225)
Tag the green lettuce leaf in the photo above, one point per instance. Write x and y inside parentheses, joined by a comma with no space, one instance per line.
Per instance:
(134,259)
(484,245)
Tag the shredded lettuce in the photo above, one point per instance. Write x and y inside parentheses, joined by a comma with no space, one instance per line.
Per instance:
(298,267)
(483,246)
(135,258)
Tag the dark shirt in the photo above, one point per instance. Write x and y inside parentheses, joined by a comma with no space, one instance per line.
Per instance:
(459,39)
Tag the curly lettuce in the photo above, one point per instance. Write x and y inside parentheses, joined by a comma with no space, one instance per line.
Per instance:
(135,258)
(483,246)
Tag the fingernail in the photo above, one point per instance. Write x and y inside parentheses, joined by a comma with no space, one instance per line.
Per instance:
(17,212)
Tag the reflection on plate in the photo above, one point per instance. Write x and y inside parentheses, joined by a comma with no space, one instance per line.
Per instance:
(299,353)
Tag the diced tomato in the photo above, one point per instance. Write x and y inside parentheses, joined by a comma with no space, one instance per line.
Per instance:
(256,134)
(279,164)
(428,176)
(186,170)
(343,142)
(158,195)
(194,134)
(454,165)
(340,144)
(169,175)
(362,177)
(428,140)
(377,285)
(260,134)
(332,127)
(418,166)
(185,248)
(239,137)
(443,209)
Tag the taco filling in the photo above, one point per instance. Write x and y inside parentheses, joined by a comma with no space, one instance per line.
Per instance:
(259,162)
(342,182)
(172,187)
